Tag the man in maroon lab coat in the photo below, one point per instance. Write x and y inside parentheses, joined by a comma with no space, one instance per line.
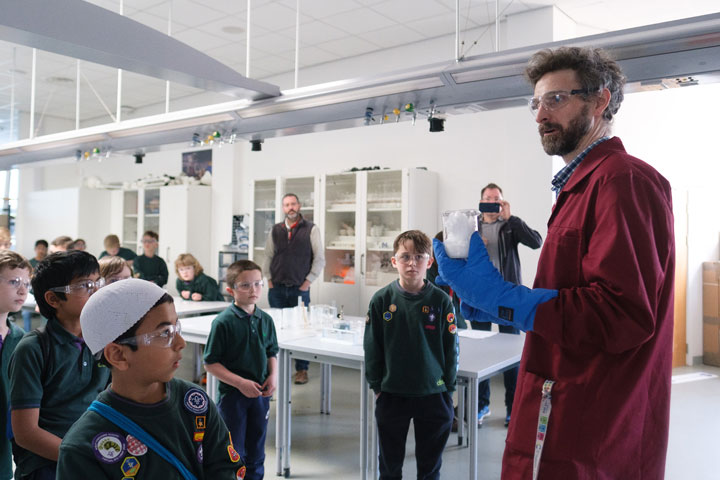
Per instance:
(593,392)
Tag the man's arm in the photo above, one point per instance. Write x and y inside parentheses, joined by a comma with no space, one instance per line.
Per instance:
(269,254)
(524,234)
(318,250)
(30,436)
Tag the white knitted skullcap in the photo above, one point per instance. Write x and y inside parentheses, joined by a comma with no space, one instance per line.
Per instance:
(115,308)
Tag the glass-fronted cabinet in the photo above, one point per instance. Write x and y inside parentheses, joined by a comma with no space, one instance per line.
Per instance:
(383,223)
(151,211)
(264,207)
(130,220)
(339,232)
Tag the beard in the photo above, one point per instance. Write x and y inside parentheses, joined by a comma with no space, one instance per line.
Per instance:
(565,141)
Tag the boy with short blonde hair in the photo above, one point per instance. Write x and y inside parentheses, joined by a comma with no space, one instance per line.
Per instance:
(113,249)
(411,351)
(146,424)
(14,285)
(248,375)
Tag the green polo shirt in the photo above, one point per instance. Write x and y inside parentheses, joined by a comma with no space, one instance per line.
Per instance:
(124,253)
(152,268)
(8,346)
(202,284)
(73,380)
(186,422)
(242,343)
(411,344)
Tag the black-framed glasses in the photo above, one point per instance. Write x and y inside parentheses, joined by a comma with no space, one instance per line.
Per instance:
(162,337)
(17,282)
(554,100)
(247,286)
(418,258)
(86,286)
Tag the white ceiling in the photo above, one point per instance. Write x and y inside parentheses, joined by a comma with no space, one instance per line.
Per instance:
(329,30)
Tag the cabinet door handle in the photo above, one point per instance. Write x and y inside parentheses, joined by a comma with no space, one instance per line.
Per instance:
(362,264)
(167,254)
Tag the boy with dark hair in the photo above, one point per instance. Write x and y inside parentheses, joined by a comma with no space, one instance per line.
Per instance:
(241,352)
(411,351)
(146,424)
(149,266)
(14,285)
(53,376)
(41,251)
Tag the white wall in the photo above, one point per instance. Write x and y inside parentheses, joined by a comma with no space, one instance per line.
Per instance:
(675,131)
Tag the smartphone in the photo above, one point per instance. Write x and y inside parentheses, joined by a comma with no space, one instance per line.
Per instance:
(489,207)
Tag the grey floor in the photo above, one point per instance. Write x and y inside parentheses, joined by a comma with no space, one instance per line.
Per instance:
(327,446)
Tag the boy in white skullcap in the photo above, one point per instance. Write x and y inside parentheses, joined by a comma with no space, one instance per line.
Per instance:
(147,424)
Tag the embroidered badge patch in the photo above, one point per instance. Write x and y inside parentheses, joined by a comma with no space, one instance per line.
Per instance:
(200,422)
(425,309)
(198,436)
(452,328)
(392,307)
(387,316)
(130,466)
(200,454)
(234,456)
(135,446)
(196,401)
(108,447)
(450,317)
(241,473)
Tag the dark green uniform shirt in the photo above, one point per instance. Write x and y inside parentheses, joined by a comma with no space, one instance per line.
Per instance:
(73,380)
(186,423)
(8,346)
(34,263)
(242,343)
(152,268)
(124,253)
(411,345)
(202,284)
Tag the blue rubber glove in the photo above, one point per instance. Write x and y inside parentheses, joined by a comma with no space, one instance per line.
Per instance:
(478,283)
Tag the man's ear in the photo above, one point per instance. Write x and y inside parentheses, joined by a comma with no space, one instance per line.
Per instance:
(52,299)
(116,356)
(603,100)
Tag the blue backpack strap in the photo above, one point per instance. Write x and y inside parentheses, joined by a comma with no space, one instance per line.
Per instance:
(136,431)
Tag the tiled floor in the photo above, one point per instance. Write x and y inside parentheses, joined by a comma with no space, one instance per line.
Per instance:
(327,446)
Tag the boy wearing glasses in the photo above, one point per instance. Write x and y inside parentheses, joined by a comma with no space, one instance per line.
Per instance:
(14,286)
(146,424)
(149,266)
(241,352)
(411,351)
(53,375)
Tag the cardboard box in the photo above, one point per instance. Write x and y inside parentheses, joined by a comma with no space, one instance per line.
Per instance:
(711,313)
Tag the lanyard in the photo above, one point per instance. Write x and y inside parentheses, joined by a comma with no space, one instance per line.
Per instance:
(543,417)
(136,431)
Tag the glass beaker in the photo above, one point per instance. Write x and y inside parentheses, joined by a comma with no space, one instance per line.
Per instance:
(458,227)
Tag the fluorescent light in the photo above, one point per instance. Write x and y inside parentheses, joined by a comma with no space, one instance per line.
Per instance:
(288,103)
(9,151)
(172,125)
(50,144)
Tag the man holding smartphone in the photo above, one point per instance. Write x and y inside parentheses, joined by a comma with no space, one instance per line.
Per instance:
(502,233)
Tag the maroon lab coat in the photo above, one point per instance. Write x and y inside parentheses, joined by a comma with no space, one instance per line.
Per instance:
(606,339)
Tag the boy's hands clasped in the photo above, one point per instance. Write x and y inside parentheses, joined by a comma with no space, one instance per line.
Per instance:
(486,296)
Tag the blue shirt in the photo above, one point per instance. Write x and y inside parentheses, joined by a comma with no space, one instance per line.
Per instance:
(562,177)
